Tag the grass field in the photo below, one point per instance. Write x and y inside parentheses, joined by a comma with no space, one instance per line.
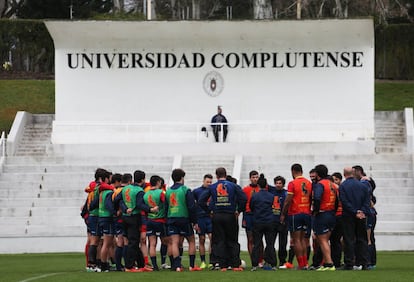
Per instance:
(38,96)
(392,266)
(34,96)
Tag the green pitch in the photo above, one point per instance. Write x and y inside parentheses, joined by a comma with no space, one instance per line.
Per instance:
(392,266)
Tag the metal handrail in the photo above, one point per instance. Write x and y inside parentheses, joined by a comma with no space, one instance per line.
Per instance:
(3,149)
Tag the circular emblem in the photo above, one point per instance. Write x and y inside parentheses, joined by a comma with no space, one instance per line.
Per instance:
(213,83)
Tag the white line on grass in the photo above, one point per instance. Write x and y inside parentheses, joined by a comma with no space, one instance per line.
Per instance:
(41,276)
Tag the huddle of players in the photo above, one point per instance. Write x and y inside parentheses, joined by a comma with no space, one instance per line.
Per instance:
(332,210)
(173,214)
(117,205)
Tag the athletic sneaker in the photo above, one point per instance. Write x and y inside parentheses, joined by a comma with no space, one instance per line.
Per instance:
(203,265)
(312,267)
(254,268)
(223,269)
(274,268)
(179,269)
(326,268)
(288,265)
(357,267)
(238,269)
(147,268)
(165,266)
(132,270)
(195,268)
(260,264)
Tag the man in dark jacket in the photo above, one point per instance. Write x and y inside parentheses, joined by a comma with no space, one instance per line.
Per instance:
(227,200)
(355,203)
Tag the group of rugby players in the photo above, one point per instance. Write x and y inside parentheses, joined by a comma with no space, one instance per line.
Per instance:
(125,215)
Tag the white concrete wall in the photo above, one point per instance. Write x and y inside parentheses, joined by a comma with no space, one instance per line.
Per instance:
(16,132)
(308,102)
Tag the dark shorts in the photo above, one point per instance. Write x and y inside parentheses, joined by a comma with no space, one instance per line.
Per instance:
(185,230)
(106,226)
(247,222)
(371,221)
(299,222)
(93,226)
(158,229)
(205,225)
(144,221)
(119,227)
(324,222)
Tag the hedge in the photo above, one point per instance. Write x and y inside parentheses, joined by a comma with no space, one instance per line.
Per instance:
(30,44)
(394,52)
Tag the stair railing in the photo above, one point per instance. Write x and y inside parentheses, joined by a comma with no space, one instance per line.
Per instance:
(3,149)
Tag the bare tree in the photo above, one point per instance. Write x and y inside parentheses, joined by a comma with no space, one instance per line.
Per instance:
(262,9)
(196,9)
(3,7)
(118,6)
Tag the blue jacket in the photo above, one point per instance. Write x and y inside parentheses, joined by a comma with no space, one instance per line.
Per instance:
(261,206)
(354,196)
(225,197)
(282,194)
(197,193)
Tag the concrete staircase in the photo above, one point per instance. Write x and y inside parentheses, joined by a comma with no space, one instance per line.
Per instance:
(36,136)
(43,196)
(390,132)
(43,190)
(197,166)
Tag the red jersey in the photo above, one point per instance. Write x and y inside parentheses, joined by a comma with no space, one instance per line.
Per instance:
(329,195)
(301,189)
(249,191)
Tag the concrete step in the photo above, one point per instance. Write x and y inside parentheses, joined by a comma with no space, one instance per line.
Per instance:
(389,150)
(397,226)
(383,208)
(51,221)
(56,211)
(13,221)
(63,168)
(31,188)
(58,230)
(14,211)
(391,216)
(13,230)
(394,182)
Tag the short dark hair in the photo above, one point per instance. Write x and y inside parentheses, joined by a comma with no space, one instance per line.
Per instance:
(126,177)
(221,172)
(337,175)
(279,178)
(312,171)
(252,173)
(321,170)
(177,174)
(231,179)
(100,173)
(262,182)
(208,175)
(359,168)
(154,179)
(116,177)
(296,168)
(139,175)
